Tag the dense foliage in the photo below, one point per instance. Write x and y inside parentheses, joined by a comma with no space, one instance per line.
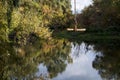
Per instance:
(101,15)
(22,19)
(25,37)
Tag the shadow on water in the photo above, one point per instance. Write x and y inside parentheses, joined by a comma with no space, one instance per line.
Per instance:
(61,60)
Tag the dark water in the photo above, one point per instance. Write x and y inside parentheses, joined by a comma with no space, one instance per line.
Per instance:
(60,60)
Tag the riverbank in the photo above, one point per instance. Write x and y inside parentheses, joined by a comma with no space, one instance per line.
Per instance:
(86,36)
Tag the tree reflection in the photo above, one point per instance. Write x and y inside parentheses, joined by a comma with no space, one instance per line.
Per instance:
(20,62)
(108,64)
(55,56)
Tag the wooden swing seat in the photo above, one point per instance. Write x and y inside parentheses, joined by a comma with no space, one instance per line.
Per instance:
(72,29)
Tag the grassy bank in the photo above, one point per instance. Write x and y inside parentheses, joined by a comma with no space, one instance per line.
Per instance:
(85,36)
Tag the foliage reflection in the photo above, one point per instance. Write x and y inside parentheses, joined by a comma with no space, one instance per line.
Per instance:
(108,64)
(20,62)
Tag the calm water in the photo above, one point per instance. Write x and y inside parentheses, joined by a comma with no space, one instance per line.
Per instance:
(60,60)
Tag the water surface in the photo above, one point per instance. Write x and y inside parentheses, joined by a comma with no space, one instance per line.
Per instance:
(83,56)
(60,60)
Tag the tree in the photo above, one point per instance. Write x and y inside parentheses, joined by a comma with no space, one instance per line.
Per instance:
(102,14)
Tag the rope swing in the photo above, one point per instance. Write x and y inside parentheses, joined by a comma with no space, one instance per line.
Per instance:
(76,23)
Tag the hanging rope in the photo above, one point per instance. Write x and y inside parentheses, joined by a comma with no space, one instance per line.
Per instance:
(75,18)
(76,23)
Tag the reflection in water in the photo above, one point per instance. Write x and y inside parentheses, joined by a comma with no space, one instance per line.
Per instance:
(59,60)
(42,71)
(109,63)
(22,61)
(81,68)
